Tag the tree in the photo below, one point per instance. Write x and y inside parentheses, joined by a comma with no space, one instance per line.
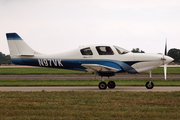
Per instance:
(136,50)
(5,59)
(175,54)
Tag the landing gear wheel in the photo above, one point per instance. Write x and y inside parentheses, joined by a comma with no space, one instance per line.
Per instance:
(111,84)
(102,86)
(149,85)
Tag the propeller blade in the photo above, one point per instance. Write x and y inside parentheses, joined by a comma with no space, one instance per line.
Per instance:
(165,71)
(165,66)
(165,51)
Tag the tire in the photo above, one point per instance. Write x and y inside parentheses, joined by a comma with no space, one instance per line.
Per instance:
(102,86)
(149,86)
(111,85)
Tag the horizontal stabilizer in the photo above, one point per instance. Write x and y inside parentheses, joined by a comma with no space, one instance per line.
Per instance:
(27,55)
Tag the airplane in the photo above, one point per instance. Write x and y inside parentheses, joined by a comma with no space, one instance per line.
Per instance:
(104,60)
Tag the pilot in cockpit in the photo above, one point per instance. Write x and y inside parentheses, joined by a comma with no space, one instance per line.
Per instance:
(109,51)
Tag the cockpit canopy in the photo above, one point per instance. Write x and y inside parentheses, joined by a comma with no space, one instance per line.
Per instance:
(103,50)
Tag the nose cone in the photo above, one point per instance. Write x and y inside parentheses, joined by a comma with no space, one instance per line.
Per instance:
(168,59)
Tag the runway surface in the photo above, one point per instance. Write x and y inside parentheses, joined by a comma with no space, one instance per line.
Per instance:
(89,76)
(89,88)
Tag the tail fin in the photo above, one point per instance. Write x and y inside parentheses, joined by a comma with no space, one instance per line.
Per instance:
(17,46)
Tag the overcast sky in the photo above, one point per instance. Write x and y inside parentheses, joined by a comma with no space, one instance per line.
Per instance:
(55,26)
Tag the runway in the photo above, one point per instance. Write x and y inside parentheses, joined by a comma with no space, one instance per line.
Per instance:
(90,88)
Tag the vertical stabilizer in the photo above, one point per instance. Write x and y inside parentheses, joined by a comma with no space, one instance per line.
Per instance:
(17,46)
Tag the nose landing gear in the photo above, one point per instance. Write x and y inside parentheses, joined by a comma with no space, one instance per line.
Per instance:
(149,84)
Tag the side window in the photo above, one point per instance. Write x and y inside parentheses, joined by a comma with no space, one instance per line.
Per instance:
(104,50)
(86,51)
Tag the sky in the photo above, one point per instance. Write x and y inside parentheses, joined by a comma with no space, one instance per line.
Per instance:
(56,26)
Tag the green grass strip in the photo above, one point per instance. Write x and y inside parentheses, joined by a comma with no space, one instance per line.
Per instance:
(170,70)
(25,71)
(89,105)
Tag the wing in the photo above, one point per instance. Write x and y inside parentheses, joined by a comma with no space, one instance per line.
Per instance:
(99,68)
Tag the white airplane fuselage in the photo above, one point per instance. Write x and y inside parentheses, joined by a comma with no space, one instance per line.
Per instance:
(129,62)
(105,60)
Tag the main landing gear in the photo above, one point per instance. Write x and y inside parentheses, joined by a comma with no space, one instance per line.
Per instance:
(103,85)
(149,84)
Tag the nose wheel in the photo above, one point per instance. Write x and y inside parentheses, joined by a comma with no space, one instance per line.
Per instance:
(149,85)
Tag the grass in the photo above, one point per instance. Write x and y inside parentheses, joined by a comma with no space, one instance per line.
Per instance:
(87,82)
(170,70)
(24,71)
(89,105)
(79,82)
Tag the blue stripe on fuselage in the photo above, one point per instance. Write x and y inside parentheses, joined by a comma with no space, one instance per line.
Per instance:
(74,64)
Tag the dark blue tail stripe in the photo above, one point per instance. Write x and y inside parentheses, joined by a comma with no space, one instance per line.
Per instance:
(13,36)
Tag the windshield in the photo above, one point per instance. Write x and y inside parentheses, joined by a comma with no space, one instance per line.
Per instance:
(121,50)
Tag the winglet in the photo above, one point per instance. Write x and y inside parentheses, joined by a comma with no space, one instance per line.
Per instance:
(13,36)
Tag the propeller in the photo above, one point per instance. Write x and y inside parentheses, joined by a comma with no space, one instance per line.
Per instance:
(165,65)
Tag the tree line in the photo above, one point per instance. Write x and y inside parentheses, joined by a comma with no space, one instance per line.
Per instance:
(137,50)
(5,59)
(175,54)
